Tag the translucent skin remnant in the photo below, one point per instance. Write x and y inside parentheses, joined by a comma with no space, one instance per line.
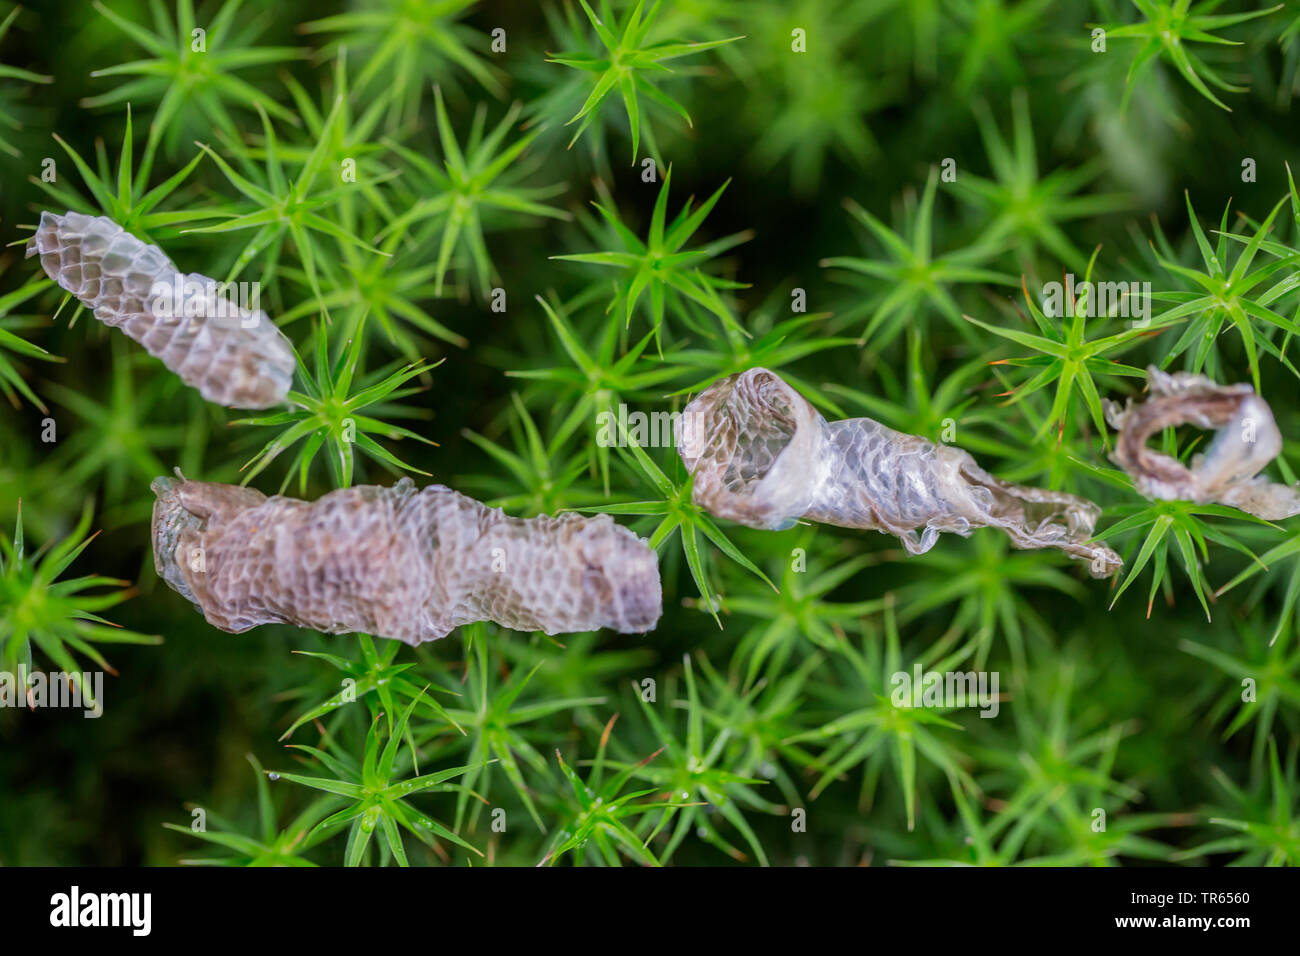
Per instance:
(396,562)
(1245,441)
(763,456)
(234,356)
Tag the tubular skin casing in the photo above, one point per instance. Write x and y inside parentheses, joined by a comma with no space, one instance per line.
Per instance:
(763,456)
(234,356)
(396,562)
(1245,441)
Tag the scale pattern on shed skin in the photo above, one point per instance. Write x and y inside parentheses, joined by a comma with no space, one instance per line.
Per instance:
(233,356)
(763,456)
(1245,441)
(396,562)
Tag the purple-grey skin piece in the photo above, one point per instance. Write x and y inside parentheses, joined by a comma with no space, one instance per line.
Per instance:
(763,456)
(397,563)
(1246,439)
(233,355)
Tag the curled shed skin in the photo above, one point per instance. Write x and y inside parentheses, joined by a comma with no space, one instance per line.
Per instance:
(233,356)
(763,456)
(396,562)
(1246,439)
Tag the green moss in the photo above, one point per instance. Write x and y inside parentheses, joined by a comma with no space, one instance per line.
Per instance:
(398,174)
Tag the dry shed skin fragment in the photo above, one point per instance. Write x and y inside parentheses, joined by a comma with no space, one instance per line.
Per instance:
(763,456)
(234,356)
(1245,441)
(396,562)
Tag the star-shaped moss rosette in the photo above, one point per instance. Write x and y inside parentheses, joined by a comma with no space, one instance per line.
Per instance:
(624,67)
(41,611)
